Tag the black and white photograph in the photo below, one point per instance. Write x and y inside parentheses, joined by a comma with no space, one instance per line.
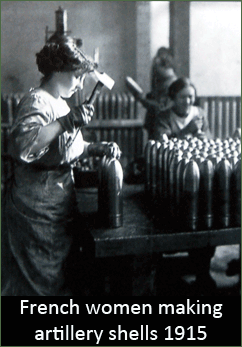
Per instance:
(129,54)
(121,151)
(121,172)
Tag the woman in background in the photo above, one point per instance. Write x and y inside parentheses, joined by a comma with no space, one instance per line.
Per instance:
(182,118)
(45,143)
(162,75)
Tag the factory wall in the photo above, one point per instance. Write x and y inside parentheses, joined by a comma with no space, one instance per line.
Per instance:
(210,50)
(127,34)
(215,47)
(107,25)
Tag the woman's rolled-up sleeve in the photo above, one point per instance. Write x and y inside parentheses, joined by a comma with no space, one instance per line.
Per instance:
(32,115)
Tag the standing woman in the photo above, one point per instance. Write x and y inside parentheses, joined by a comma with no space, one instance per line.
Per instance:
(162,75)
(40,206)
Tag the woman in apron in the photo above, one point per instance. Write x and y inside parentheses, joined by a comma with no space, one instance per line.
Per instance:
(40,205)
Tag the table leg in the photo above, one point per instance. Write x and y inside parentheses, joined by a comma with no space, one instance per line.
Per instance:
(201,259)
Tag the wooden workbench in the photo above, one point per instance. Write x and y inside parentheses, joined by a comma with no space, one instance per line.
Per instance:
(113,252)
(142,232)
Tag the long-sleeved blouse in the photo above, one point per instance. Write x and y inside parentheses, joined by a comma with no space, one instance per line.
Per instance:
(41,203)
(167,122)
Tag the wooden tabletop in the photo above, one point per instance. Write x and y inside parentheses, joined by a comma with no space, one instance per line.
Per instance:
(142,232)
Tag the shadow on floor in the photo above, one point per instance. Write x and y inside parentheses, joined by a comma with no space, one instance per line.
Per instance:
(178,278)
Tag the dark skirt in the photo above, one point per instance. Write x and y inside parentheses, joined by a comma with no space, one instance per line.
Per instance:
(34,252)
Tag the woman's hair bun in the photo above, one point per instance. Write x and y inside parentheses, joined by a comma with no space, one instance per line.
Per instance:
(63,55)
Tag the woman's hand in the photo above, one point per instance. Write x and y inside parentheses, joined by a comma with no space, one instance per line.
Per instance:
(77,117)
(99,149)
(198,121)
(113,150)
(82,114)
(194,126)
(200,135)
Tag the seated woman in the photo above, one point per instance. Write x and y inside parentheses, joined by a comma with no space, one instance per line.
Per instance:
(40,209)
(182,118)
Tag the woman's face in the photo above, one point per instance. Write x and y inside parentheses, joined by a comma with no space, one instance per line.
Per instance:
(69,83)
(183,101)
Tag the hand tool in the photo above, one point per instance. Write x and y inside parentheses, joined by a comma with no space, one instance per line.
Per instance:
(138,93)
(103,80)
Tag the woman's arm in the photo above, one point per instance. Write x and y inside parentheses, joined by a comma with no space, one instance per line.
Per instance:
(162,126)
(199,126)
(32,135)
(166,125)
(45,136)
(78,116)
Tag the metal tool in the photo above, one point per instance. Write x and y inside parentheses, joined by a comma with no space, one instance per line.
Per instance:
(103,80)
(138,93)
(134,88)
